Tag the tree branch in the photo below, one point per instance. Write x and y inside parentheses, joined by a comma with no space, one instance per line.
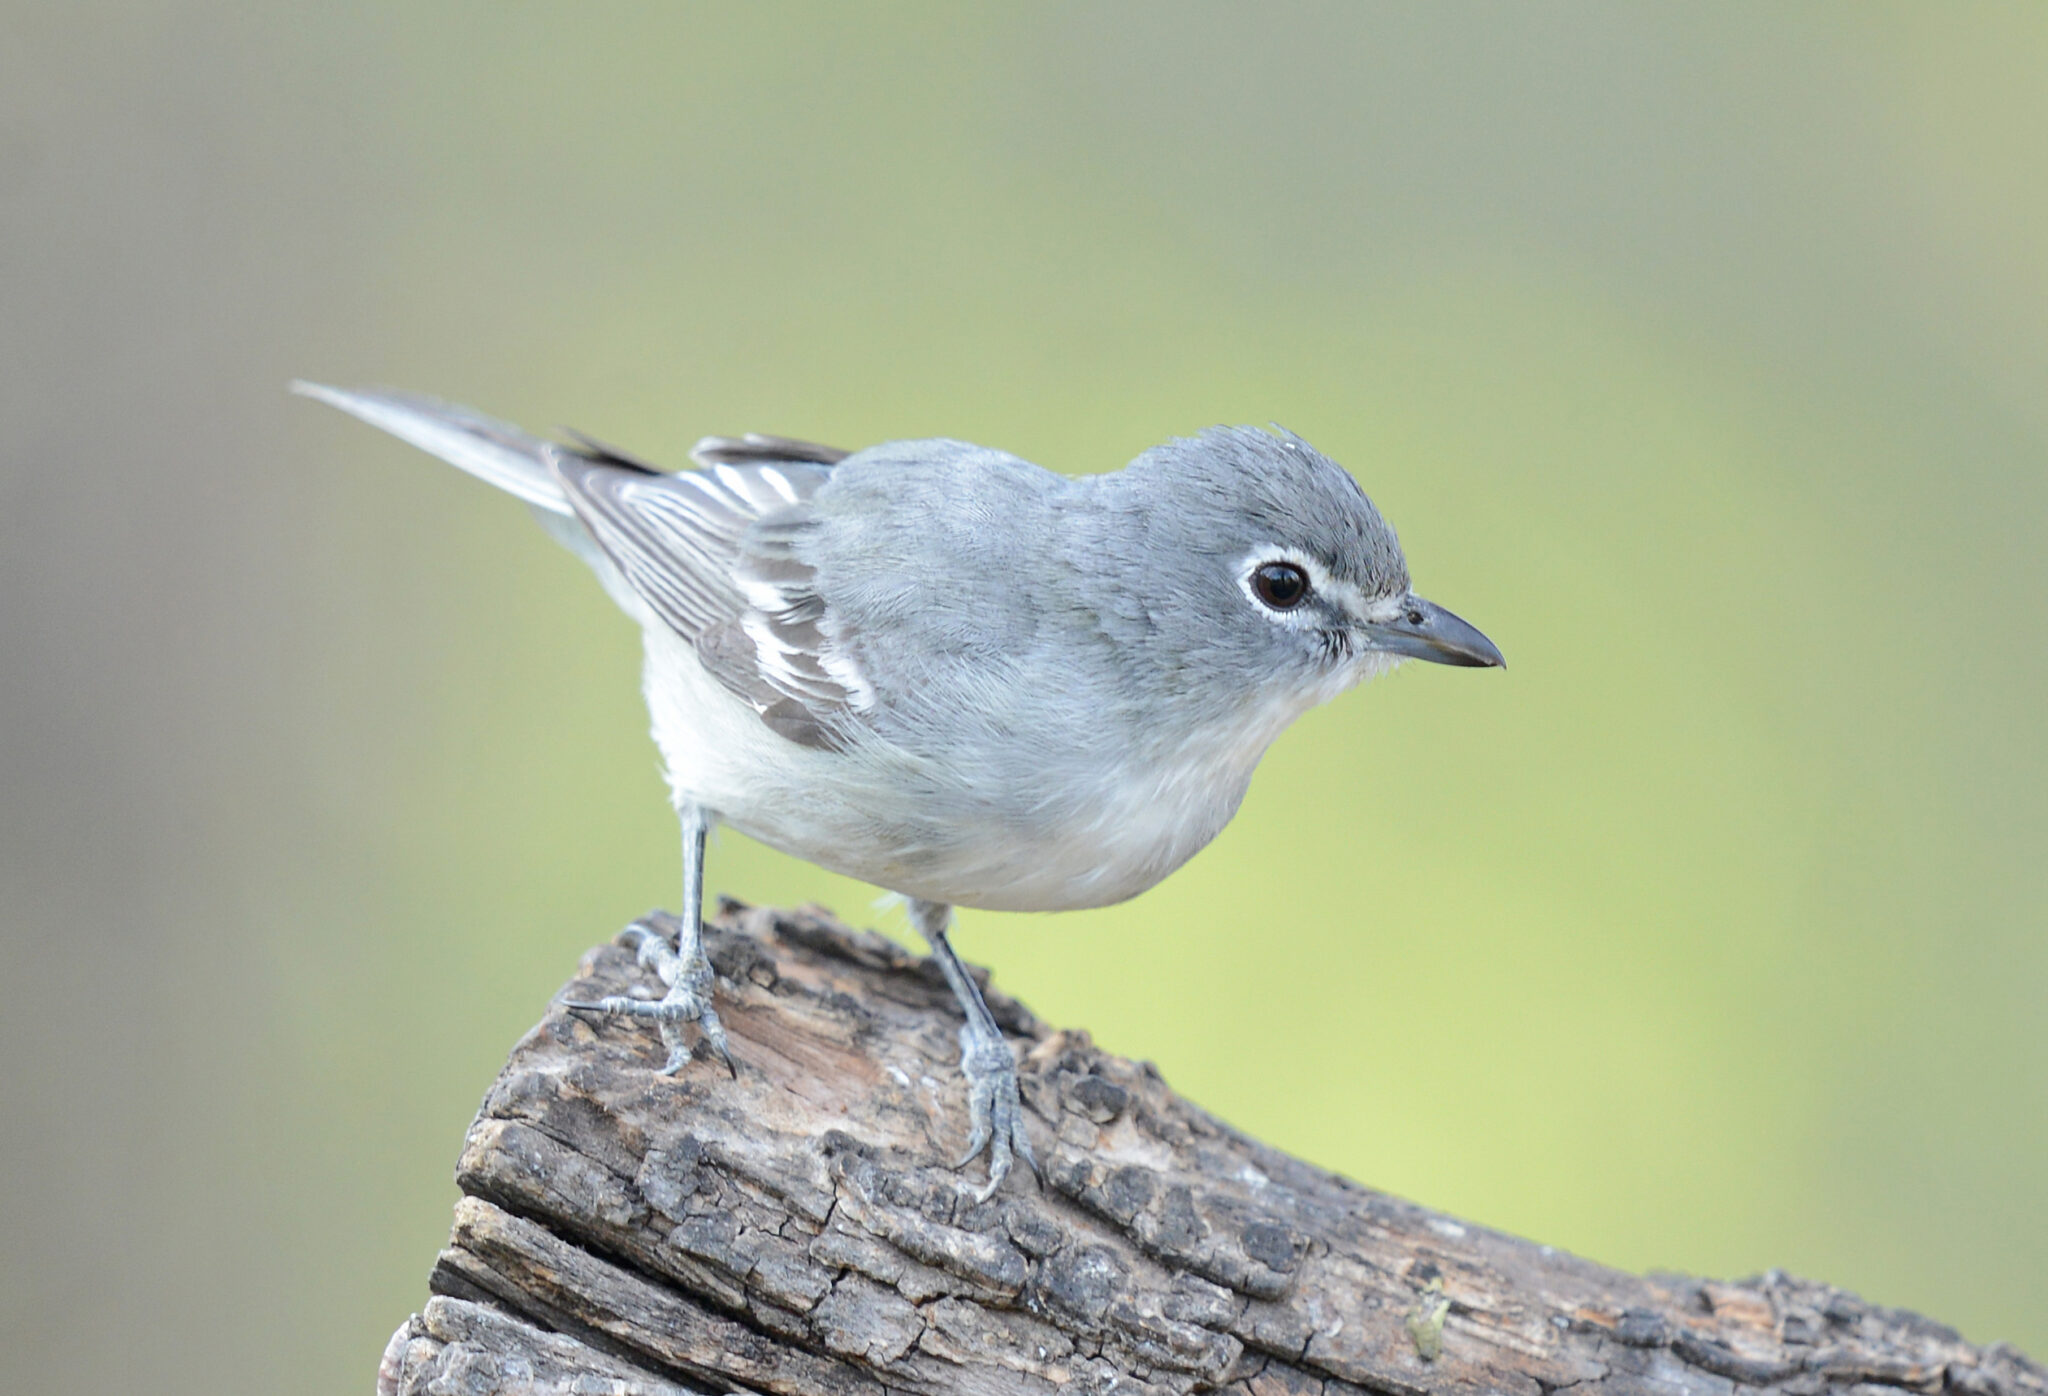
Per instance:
(796,1231)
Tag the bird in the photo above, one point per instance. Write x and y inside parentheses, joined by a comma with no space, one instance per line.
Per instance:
(959,676)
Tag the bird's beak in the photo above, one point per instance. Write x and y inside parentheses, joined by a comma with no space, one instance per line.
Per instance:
(1425,630)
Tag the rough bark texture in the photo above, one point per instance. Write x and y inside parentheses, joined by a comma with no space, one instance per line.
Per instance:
(797,1231)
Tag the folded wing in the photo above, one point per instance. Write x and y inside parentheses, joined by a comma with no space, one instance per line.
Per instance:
(715,554)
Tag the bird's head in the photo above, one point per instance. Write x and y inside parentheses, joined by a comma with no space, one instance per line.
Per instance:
(1296,580)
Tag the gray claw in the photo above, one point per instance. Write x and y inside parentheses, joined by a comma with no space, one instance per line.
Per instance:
(978,1135)
(995,1109)
(688,1000)
(614,1003)
(1022,1141)
(714,1038)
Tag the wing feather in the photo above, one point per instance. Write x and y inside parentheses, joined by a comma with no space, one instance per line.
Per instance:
(753,448)
(714,553)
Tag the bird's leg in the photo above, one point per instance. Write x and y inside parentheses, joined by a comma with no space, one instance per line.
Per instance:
(682,967)
(995,1111)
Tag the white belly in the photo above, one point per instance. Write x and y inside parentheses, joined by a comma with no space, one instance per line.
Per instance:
(881,815)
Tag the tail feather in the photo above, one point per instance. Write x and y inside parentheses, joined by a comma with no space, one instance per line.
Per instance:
(490,450)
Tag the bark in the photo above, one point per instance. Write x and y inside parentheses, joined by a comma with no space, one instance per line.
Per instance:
(797,1231)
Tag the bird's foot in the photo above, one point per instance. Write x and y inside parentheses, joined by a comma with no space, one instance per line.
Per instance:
(995,1110)
(689,979)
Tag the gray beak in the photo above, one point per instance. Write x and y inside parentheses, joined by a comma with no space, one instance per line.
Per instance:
(1425,630)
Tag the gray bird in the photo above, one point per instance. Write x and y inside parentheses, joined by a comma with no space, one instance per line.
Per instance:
(949,672)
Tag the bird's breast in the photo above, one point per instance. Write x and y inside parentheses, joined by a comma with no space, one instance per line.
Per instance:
(1097,827)
(1028,827)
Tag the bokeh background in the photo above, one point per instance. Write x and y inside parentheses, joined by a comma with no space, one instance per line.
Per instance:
(1700,355)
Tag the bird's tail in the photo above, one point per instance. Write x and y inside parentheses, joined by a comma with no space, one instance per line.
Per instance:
(490,450)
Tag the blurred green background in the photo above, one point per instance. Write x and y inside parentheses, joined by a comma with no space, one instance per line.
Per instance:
(1698,354)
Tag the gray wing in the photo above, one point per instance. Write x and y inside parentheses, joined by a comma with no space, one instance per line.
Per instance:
(714,553)
(751,448)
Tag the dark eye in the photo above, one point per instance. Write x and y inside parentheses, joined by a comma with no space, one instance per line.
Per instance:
(1281,585)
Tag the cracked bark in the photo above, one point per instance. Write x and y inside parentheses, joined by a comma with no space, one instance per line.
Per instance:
(796,1231)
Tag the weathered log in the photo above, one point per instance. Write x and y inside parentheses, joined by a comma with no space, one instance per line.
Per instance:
(796,1231)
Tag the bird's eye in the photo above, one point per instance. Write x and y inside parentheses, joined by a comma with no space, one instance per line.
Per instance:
(1281,585)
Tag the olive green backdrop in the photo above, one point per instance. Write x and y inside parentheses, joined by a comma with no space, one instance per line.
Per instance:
(1700,356)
